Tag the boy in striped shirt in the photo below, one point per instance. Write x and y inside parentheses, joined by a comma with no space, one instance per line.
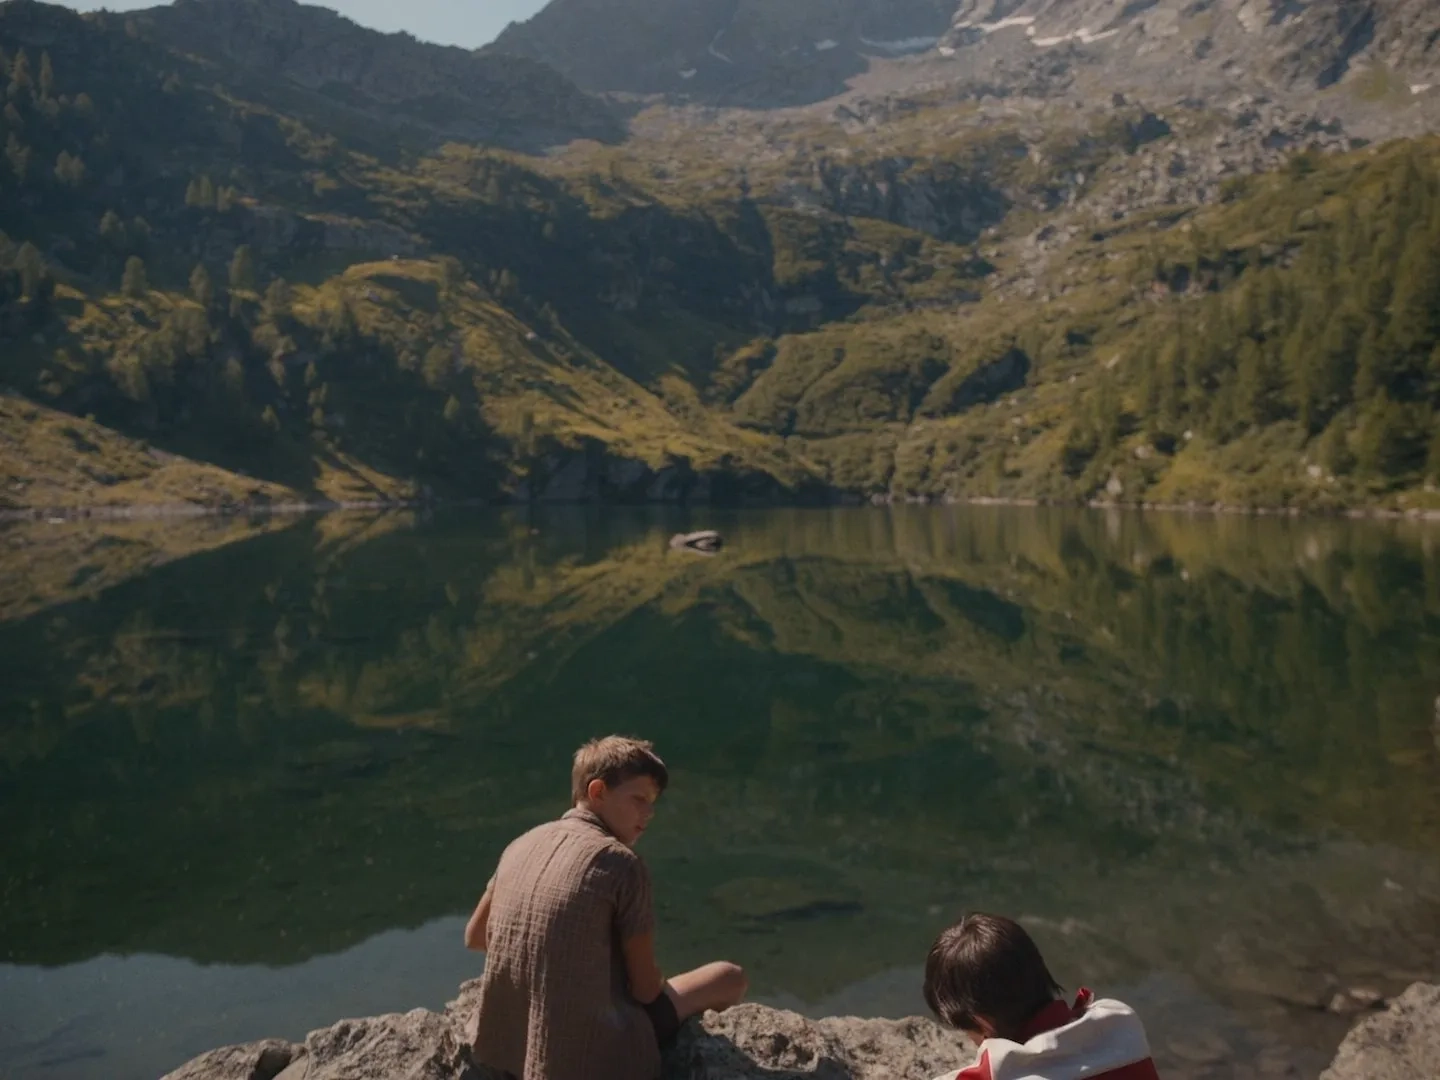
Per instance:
(985,977)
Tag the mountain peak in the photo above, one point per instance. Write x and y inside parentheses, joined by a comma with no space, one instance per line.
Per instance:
(512,101)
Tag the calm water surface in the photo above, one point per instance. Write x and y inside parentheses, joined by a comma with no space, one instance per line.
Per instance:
(257,788)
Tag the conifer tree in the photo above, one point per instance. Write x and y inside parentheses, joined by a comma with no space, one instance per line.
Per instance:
(1252,386)
(277,300)
(112,230)
(18,155)
(1333,449)
(1372,367)
(69,170)
(233,379)
(438,366)
(451,274)
(200,194)
(21,84)
(47,76)
(1414,324)
(242,269)
(31,265)
(135,283)
(1381,436)
(201,287)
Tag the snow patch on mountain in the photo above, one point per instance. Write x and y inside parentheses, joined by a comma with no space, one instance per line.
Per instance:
(1083,36)
(714,49)
(1026,21)
(903,45)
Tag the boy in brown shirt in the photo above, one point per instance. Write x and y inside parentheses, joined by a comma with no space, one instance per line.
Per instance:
(571,989)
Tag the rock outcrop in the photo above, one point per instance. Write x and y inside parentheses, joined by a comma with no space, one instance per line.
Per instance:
(750,1043)
(1402,1043)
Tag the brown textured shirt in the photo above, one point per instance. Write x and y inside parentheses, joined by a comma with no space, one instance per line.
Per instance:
(555,1001)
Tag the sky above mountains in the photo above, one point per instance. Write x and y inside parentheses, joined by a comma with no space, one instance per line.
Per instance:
(450,22)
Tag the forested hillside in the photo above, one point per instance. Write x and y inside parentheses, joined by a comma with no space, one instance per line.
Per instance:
(250,275)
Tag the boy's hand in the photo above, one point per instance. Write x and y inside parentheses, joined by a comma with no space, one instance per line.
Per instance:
(477,931)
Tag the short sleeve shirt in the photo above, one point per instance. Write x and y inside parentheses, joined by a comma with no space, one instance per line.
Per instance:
(555,1001)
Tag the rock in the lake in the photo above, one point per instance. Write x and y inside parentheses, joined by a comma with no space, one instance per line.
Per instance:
(708,541)
(1402,1043)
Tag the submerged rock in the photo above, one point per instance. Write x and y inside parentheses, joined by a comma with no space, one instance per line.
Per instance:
(750,1042)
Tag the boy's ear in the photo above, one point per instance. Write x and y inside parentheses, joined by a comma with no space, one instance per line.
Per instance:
(595,790)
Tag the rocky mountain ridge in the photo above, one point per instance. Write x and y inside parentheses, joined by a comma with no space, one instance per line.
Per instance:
(738,51)
(450,92)
(744,53)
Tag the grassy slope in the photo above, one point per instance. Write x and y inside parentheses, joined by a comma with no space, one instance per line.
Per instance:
(52,460)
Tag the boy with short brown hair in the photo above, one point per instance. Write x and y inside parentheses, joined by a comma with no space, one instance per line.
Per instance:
(571,989)
(986,977)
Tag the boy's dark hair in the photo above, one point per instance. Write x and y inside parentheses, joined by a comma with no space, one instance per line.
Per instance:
(615,759)
(987,966)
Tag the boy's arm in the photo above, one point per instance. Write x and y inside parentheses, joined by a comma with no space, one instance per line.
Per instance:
(646,980)
(477,931)
(635,929)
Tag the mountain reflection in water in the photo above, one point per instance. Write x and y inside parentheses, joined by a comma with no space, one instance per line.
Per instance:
(248,790)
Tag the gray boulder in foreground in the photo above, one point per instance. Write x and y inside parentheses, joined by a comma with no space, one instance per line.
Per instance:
(1401,1043)
(751,1042)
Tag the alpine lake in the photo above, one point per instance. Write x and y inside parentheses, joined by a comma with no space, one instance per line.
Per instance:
(255,773)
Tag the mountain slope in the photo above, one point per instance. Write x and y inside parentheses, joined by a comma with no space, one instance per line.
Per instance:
(50,460)
(450,92)
(762,54)
(1307,45)
(922,295)
(735,51)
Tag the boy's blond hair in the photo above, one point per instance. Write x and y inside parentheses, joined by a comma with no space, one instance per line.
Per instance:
(615,759)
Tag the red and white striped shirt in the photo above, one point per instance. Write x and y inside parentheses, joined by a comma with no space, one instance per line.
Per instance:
(1091,1040)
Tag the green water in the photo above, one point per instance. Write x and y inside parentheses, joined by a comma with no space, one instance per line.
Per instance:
(258,788)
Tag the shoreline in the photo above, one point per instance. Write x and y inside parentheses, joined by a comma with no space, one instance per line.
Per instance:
(155,511)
